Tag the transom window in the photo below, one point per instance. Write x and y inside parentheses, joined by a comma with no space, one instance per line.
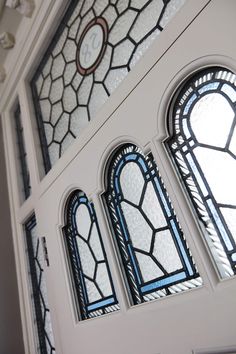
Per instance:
(92,280)
(203,145)
(153,250)
(96,45)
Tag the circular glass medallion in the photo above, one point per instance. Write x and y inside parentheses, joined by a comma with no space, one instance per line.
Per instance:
(92,45)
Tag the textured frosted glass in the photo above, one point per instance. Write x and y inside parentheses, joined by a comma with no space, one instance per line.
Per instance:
(77,81)
(219,167)
(58,67)
(86,257)
(98,97)
(86,6)
(61,127)
(229,92)
(120,29)
(132,182)
(138,4)
(48,132)
(83,221)
(104,65)
(69,99)
(140,231)
(93,293)
(152,208)
(67,141)
(100,6)
(46,88)
(206,119)
(74,28)
(56,91)
(165,251)
(85,90)
(170,11)
(141,49)
(110,16)
(95,244)
(230,218)
(75,13)
(78,120)
(54,150)
(122,53)
(122,5)
(56,112)
(47,67)
(87,18)
(46,109)
(102,280)
(148,267)
(70,72)
(114,78)
(69,50)
(60,43)
(147,20)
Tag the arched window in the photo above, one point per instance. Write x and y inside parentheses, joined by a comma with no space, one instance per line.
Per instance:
(93,285)
(155,257)
(203,144)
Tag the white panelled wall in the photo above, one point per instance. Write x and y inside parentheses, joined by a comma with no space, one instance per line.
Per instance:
(200,321)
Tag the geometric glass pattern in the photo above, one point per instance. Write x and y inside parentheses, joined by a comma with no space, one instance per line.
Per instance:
(96,45)
(154,254)
(39,289)
(94,290)
(203,145)
(25,177)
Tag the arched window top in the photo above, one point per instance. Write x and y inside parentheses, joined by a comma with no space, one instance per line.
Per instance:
(154,255)
(203,144)
(94,289)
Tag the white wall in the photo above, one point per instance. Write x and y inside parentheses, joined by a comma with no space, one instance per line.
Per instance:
(11,339)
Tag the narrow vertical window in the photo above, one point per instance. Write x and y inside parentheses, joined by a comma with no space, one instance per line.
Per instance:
(39,289)
(92,280)
(153,251)
(25,178)
(203,145)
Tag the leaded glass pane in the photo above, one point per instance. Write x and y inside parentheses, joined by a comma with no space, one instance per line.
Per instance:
(90,270)
(155,257)
(202,144)
(25,177)
(96,45)
(39,289)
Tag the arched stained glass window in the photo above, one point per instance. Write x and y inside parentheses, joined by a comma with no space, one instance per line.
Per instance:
(92,280)
(153,251)
(96,45)
(203,145)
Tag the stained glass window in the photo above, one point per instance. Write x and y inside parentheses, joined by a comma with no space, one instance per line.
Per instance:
(203,145)
(96,45)
(91,275)
(154,254)
(39,289)
(25,178)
